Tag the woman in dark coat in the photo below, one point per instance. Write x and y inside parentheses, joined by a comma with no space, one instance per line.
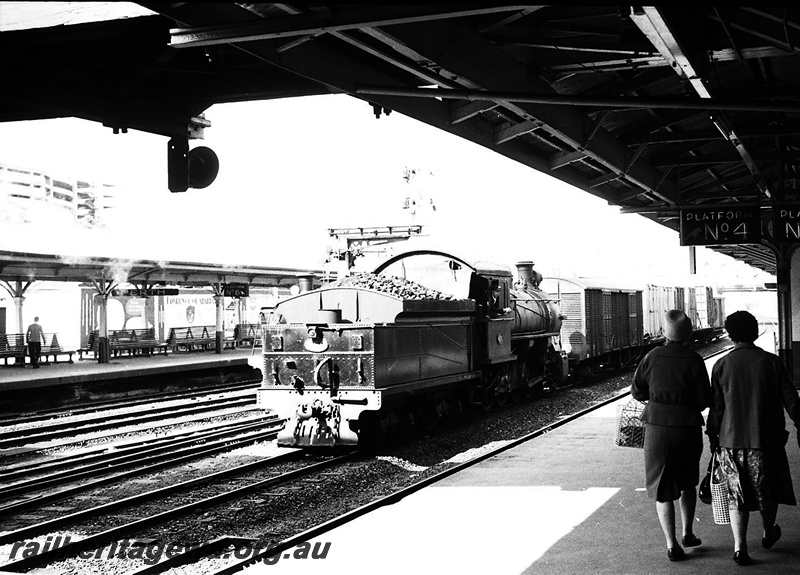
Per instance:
(673,381)
(750,390)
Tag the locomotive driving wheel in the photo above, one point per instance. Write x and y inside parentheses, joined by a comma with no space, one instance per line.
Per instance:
(495,388)
(526,386)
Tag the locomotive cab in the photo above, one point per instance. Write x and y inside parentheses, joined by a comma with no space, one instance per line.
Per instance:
(494,320)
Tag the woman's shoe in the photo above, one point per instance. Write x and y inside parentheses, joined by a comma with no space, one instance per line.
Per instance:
(676,554)
(741,558)
(768,542)
(691,540)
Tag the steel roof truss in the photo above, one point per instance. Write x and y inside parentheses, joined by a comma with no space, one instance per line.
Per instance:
(653,23)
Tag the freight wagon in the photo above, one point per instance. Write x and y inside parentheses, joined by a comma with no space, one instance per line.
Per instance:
(610,322)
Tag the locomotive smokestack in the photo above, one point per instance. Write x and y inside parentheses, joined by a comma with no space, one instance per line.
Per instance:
(305,282)
(528,278)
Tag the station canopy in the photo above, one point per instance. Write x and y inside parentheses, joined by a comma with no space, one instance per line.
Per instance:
(662,111)
(145,274)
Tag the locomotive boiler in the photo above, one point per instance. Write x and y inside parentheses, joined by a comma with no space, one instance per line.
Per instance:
(370,352)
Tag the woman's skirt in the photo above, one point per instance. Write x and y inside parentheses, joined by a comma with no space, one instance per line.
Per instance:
(764,477)
(671,460)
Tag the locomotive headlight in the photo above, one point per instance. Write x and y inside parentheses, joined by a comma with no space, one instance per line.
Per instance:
(277,343)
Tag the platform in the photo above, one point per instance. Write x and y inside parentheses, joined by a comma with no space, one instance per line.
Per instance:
(87,378)
(566,503)
(15,377)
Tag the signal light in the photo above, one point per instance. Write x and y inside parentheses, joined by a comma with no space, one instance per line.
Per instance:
(196,168)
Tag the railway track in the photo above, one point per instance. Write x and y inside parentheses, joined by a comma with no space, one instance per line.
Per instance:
(111,467)
(115,404)
(257,477)
(265,530)
(40,432)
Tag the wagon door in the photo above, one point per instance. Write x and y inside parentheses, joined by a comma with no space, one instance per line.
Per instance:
(607,329)
(635,318)
(621,319)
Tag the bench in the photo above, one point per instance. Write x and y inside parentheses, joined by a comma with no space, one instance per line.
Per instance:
(247,333)
(191,338)
(54,349)
(91,345)
(203,337)
(149,343)
(12,345)
(132,341)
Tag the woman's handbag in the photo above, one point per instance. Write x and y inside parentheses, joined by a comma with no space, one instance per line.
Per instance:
(704,492)
(630,427)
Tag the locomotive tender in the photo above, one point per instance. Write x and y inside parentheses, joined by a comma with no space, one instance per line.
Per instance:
(350,359)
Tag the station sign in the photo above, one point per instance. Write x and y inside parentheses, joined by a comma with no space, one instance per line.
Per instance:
(786,224)
(236,290)
(141,292)
(710,226)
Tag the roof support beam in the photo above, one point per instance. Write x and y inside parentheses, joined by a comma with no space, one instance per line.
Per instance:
(313,25)
(446,42)
(653,23)
(728,104)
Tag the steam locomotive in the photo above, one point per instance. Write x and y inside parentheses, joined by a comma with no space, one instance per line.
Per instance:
(374,351)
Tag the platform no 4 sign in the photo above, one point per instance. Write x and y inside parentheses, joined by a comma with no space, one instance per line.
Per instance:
(720,225)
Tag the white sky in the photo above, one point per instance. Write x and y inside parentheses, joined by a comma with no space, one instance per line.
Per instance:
(291,168)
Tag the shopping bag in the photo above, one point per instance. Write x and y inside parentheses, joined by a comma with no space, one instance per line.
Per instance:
(726,487)
(719,494)
(630,427)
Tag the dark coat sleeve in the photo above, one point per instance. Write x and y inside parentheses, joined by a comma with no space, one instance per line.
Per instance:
(791,400)
(640,389)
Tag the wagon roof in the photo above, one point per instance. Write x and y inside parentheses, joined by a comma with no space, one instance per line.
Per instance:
(594,283)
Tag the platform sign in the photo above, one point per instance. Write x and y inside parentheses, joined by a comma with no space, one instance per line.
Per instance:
(236,290)
(786,224)
(148,292)
(720,225)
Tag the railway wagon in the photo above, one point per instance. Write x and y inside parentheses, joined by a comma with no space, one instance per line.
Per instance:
(709,314)
(342,363)
(706,311)
(602,322)
(608,322)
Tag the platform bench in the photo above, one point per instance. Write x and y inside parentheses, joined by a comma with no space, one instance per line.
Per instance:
(247,333)
(130,341)
(12,345)
(54,349)
(91,345)
(148,342)
(135,340)
(190,338)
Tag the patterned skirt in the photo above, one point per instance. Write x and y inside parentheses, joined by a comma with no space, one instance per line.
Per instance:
(764,477)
